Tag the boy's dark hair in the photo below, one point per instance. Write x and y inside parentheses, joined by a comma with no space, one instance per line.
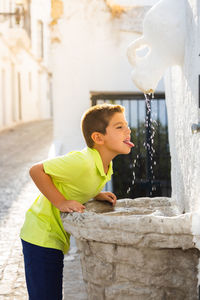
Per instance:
(97,118)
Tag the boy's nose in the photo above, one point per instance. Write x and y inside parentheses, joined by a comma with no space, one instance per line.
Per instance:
(128,129)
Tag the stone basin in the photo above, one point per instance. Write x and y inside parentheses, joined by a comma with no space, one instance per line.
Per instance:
(140,249)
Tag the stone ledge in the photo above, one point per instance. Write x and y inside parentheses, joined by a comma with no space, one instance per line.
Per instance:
(142,222)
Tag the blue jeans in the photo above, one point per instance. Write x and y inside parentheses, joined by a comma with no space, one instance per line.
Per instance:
(44,272)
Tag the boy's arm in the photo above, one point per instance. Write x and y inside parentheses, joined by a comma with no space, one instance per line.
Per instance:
(107,196)
(45,185)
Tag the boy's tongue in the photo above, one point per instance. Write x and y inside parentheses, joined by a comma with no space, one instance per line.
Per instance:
(129,143)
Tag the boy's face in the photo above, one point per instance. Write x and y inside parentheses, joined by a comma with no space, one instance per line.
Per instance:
(117,135)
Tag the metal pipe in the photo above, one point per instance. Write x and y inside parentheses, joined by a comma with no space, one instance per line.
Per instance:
(195,128)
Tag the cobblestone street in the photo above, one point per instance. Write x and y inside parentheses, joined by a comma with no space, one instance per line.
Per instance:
(20,147)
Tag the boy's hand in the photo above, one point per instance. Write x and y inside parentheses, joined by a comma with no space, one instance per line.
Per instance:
(107,196)
(71,206)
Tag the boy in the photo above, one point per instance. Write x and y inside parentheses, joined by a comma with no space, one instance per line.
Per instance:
(66,183)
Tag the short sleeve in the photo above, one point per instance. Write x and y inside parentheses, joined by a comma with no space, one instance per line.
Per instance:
(66,168)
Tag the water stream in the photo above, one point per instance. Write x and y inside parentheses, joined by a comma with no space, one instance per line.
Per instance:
(149,143)
(149,146)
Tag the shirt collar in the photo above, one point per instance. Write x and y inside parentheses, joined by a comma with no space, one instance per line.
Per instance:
(99,163)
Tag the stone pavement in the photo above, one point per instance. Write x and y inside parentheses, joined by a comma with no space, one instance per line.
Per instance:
(20,148)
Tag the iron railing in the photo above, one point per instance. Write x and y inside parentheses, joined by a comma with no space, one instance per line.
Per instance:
(146,170)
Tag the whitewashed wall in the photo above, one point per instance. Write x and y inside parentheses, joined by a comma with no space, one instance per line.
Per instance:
(182,103)
(90,57)
(24,76)
(135,2)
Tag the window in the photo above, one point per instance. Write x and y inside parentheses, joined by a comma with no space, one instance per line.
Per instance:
(30,81)
(27,18)
(40,39)
(19,96)
(3,96)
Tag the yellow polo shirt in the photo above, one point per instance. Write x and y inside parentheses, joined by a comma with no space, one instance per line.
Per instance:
(78,175)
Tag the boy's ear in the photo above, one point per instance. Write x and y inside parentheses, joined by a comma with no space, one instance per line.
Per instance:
(97,137)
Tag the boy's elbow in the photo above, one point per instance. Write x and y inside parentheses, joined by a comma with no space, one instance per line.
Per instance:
(32,171)
(35,170)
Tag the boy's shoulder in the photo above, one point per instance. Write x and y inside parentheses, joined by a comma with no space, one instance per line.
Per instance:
(83,157)
(69,165)
(78,154)
(83,161)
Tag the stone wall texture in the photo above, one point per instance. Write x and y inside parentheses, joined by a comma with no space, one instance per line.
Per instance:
(120,272)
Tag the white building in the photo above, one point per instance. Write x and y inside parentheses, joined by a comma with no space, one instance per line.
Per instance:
(91,57)
(25,79)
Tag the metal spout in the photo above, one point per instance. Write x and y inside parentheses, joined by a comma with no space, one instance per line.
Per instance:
(195,128)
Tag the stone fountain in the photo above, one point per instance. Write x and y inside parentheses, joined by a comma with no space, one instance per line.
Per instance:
(141,249)
(148,248)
